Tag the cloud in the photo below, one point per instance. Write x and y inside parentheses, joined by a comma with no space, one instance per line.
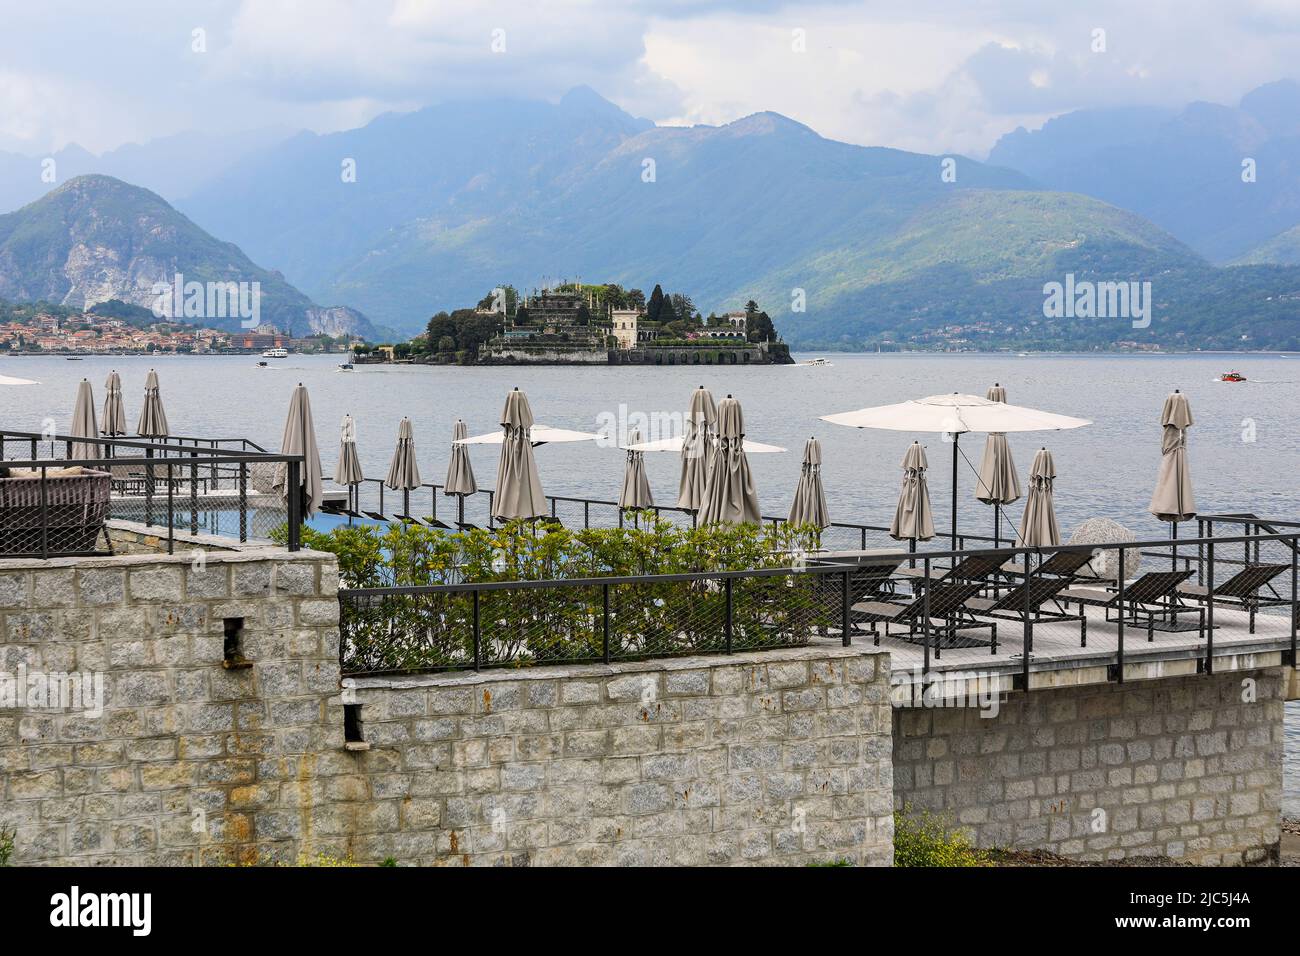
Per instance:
(934,75)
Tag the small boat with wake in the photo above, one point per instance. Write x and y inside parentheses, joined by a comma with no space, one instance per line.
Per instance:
(1232,377)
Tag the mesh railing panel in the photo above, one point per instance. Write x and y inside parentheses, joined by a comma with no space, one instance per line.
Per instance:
(435,630)
(119,479)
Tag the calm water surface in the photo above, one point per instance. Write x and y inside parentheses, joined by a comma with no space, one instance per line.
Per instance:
(1244,447)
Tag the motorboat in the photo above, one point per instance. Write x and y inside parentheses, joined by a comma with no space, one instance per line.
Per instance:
(1232,377)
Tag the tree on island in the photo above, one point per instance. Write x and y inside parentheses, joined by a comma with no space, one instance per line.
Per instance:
(655,306)
(684,308)
(466,328)
(758,325)
(507,301)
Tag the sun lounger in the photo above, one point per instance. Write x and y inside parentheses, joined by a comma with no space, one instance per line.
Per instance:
(1025,602)
(1062,564)
(1154,594)
(977,567)
(869,579)
(1242,590)
(944,606)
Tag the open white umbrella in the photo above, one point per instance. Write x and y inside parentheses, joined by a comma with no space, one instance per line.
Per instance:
(998,483)
(538,435)
(809,507)
(635,493)
(83,423)
(300,439)
(153,419)
(912,518)
(460,470)
(729,494)
(403,473)
(1038,527)
(678,442)
(953,415)
(518,492)
(113,421)
(697,445)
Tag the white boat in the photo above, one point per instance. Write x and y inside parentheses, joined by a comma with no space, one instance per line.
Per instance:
(344,367)
(276,353)
(816,363)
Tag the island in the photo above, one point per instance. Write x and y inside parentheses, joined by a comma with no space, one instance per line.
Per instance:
(575,324)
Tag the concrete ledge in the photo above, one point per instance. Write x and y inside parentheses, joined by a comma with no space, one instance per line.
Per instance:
(214,549)
(544,672)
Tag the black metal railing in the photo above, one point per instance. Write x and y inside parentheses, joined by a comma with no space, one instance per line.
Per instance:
(221,487)
(944,607)
(428,504)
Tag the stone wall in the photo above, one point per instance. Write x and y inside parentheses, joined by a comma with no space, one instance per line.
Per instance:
(189,762)
(780,757)
(1189,768)
(197,759)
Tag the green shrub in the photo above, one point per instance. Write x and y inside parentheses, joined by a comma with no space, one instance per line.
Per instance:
(7,835)
(522,626)
(926,840)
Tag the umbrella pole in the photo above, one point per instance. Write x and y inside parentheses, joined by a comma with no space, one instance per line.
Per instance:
(1173,565)
(997,524)
(954,491)
(460,510)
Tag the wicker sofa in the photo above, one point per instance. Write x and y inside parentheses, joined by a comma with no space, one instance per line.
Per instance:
(61,514)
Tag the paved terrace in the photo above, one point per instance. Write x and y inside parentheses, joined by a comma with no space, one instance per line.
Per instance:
(1057,659)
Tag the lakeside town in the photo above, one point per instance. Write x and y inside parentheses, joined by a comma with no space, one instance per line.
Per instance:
(41,329)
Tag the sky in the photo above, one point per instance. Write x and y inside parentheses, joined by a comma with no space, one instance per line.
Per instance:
(928,75)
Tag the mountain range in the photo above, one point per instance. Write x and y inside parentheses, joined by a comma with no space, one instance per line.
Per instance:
(843,245)
(97,239)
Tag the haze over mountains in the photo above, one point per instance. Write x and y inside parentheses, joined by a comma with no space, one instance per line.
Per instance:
(451,200)
(1182,169)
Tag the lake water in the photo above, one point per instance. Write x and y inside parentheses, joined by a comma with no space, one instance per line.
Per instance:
(1244,447)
